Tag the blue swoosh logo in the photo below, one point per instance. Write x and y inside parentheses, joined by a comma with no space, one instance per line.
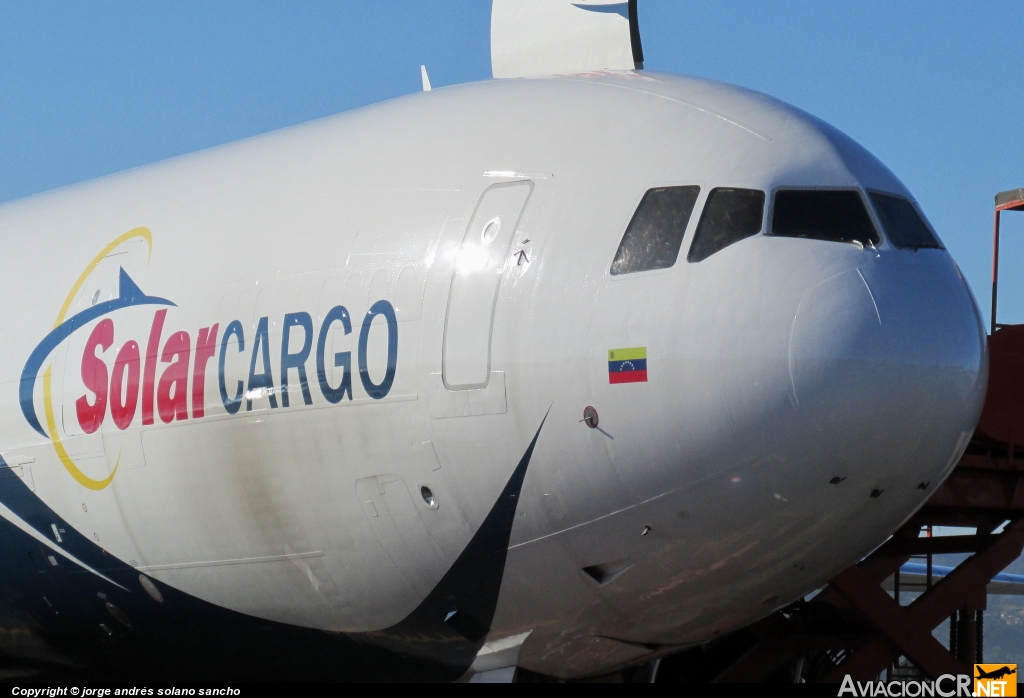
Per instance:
(129,294)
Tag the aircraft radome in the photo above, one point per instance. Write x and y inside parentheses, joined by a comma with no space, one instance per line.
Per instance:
(543,371)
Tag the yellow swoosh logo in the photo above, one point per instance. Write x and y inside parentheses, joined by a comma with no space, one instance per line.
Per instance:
(51,423)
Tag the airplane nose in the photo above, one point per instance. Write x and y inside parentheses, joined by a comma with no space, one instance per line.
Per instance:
(888,365)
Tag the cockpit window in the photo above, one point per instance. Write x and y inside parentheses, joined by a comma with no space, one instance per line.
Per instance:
(730,215)
(902,223)
(838,216)
(655,233)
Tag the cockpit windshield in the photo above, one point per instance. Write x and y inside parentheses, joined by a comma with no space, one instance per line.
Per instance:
(730,215)
(823,214)
(656,231)
(903,225)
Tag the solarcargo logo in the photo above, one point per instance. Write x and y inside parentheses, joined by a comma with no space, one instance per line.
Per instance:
(135,366)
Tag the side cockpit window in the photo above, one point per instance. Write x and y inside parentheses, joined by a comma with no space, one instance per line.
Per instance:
(730,215)
(903,225)
(655,233)
(818,214)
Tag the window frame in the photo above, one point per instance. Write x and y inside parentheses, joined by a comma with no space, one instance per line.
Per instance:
(691,226)
(864,199)
(920,213)
(768,204)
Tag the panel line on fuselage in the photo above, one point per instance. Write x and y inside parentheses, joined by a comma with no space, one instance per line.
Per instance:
(704,110)
(232,561)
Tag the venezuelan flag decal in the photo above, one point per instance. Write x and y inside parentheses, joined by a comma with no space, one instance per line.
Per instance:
(627,365)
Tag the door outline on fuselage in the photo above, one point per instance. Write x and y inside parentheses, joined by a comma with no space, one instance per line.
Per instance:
(499,255)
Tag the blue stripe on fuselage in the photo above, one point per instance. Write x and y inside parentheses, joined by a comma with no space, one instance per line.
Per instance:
(183,637)
(627,365)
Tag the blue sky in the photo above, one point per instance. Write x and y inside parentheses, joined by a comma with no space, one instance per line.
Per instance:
(934,89)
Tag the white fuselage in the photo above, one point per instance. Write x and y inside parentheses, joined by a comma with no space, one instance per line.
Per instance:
(702,501)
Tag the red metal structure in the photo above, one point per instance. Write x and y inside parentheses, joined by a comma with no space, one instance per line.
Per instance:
(1012,200)
(854,626)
